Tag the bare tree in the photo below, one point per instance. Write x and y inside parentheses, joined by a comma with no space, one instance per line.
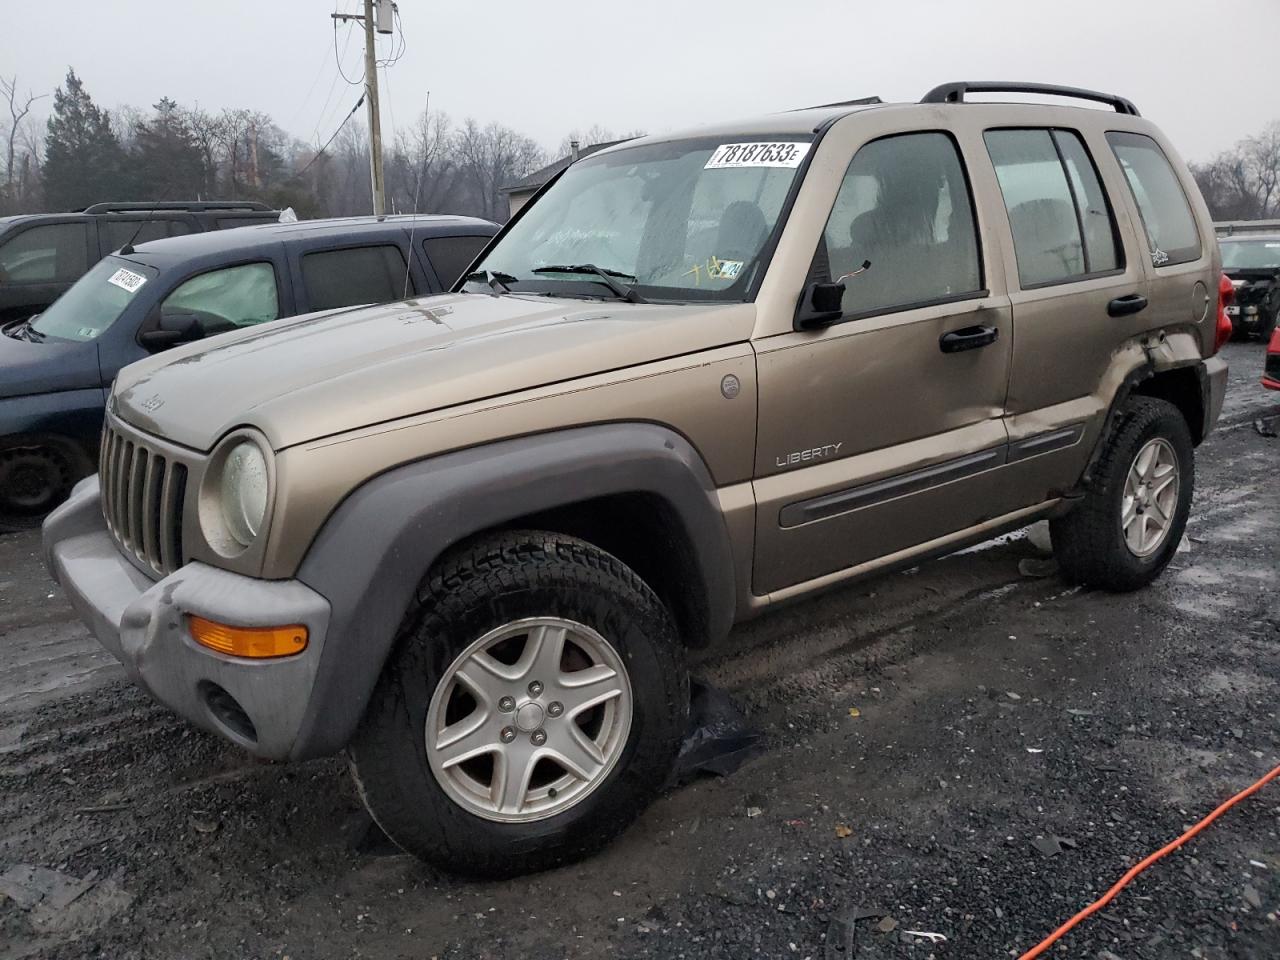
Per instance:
(19,108)
(423,173)
(491,157)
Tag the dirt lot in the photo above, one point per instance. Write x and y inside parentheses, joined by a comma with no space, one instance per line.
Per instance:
(994,709)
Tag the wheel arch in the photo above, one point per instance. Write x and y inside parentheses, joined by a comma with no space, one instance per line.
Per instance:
(643,479)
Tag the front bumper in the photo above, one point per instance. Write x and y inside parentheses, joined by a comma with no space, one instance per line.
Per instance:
(259,704)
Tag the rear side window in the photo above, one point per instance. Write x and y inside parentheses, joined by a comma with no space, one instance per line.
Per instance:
(904,202)
(227,223)
(225,299)
(116,233)
(1171,226)
(53,253)
(345,278)
(1062,226)
(451,255)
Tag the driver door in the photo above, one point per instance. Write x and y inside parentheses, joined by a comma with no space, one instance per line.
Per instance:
(883,429)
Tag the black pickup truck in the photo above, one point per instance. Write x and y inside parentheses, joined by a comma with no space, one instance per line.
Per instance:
(1253,263)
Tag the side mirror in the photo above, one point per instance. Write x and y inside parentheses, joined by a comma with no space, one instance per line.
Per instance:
(171,330)
(820,306)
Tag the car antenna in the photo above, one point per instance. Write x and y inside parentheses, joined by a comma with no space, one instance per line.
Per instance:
(417,192)
(128,247)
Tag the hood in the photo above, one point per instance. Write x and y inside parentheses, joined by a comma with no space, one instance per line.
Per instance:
(320,374)
(51,366)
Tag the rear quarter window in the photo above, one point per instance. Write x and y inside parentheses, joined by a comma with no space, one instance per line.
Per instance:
(451,255)
(1172,235)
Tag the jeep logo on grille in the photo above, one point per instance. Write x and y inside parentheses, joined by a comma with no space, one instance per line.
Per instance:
(152,403)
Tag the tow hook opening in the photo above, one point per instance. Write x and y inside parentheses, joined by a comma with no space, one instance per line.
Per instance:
(227,712)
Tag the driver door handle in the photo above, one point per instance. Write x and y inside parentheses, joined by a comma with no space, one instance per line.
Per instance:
(969,338)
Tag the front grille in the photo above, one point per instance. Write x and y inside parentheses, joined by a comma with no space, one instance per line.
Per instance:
(143,493)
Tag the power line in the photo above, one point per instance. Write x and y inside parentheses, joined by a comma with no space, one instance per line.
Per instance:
(350,114)
(338,57)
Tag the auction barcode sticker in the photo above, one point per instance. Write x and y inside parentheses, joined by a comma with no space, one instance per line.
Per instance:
(127,280)
(759,154)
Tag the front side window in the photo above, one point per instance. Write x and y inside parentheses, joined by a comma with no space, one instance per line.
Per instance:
(685,220)
(356,275)
(225,299)
(95,301)
(1171,226)
(1251,255)
(1062,226)
(53,253)
(901,231)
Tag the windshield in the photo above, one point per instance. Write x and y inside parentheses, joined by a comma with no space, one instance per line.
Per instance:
(683,220)
(1251,254)
(95,301)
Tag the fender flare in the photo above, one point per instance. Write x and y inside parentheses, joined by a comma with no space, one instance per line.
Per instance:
(373,551)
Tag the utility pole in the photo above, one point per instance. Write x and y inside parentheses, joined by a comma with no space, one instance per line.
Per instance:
(371,93)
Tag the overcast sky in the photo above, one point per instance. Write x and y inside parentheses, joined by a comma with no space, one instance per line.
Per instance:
(1205,72)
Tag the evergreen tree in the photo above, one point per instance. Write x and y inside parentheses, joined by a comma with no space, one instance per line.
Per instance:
(83,160)
(167,163)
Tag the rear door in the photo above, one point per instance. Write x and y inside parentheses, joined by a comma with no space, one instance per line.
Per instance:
(875,433)
(1181,259)
(1077,292)
(39,260)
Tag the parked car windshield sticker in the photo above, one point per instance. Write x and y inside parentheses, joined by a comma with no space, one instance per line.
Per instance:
(761,154)
(127,280)
(724,269)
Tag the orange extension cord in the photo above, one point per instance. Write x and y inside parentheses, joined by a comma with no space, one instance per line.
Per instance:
(1110,895)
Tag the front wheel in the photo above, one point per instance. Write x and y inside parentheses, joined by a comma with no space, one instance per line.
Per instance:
(532,707)
(37,474)
(1126,529)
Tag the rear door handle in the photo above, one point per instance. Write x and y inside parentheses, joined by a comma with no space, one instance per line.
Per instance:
(970,338)
(1125,306)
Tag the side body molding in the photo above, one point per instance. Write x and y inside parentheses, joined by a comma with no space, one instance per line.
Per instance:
(371,554)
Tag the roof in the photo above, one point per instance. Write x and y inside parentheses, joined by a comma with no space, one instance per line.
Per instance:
(540,176)
(336,228)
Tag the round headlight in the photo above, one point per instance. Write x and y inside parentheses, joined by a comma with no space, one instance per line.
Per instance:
(243,491)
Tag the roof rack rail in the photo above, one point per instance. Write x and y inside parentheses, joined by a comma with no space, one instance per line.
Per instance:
(860,102)
(954,93)
(192,206)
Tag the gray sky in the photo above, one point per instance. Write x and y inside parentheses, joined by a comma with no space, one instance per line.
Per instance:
(547,68)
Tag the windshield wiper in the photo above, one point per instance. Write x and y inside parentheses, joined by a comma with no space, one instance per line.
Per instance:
(606,277)
(28,332)
(496,279)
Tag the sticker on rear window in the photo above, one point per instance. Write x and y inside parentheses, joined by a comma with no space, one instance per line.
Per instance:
(127,280)
(761,154)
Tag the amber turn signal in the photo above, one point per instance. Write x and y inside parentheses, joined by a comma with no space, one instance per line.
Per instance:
(256,642)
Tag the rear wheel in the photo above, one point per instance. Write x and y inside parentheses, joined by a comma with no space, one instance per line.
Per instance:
(36,476)
(1127,527)
(533,705)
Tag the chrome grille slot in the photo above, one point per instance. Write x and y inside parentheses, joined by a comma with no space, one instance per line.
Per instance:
(143,493)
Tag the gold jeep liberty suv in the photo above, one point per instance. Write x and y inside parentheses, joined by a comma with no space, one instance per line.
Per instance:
(468,538)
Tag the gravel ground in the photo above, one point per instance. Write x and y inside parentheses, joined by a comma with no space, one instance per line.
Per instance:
(1018,744)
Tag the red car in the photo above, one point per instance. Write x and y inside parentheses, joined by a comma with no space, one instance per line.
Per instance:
(1271,372)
